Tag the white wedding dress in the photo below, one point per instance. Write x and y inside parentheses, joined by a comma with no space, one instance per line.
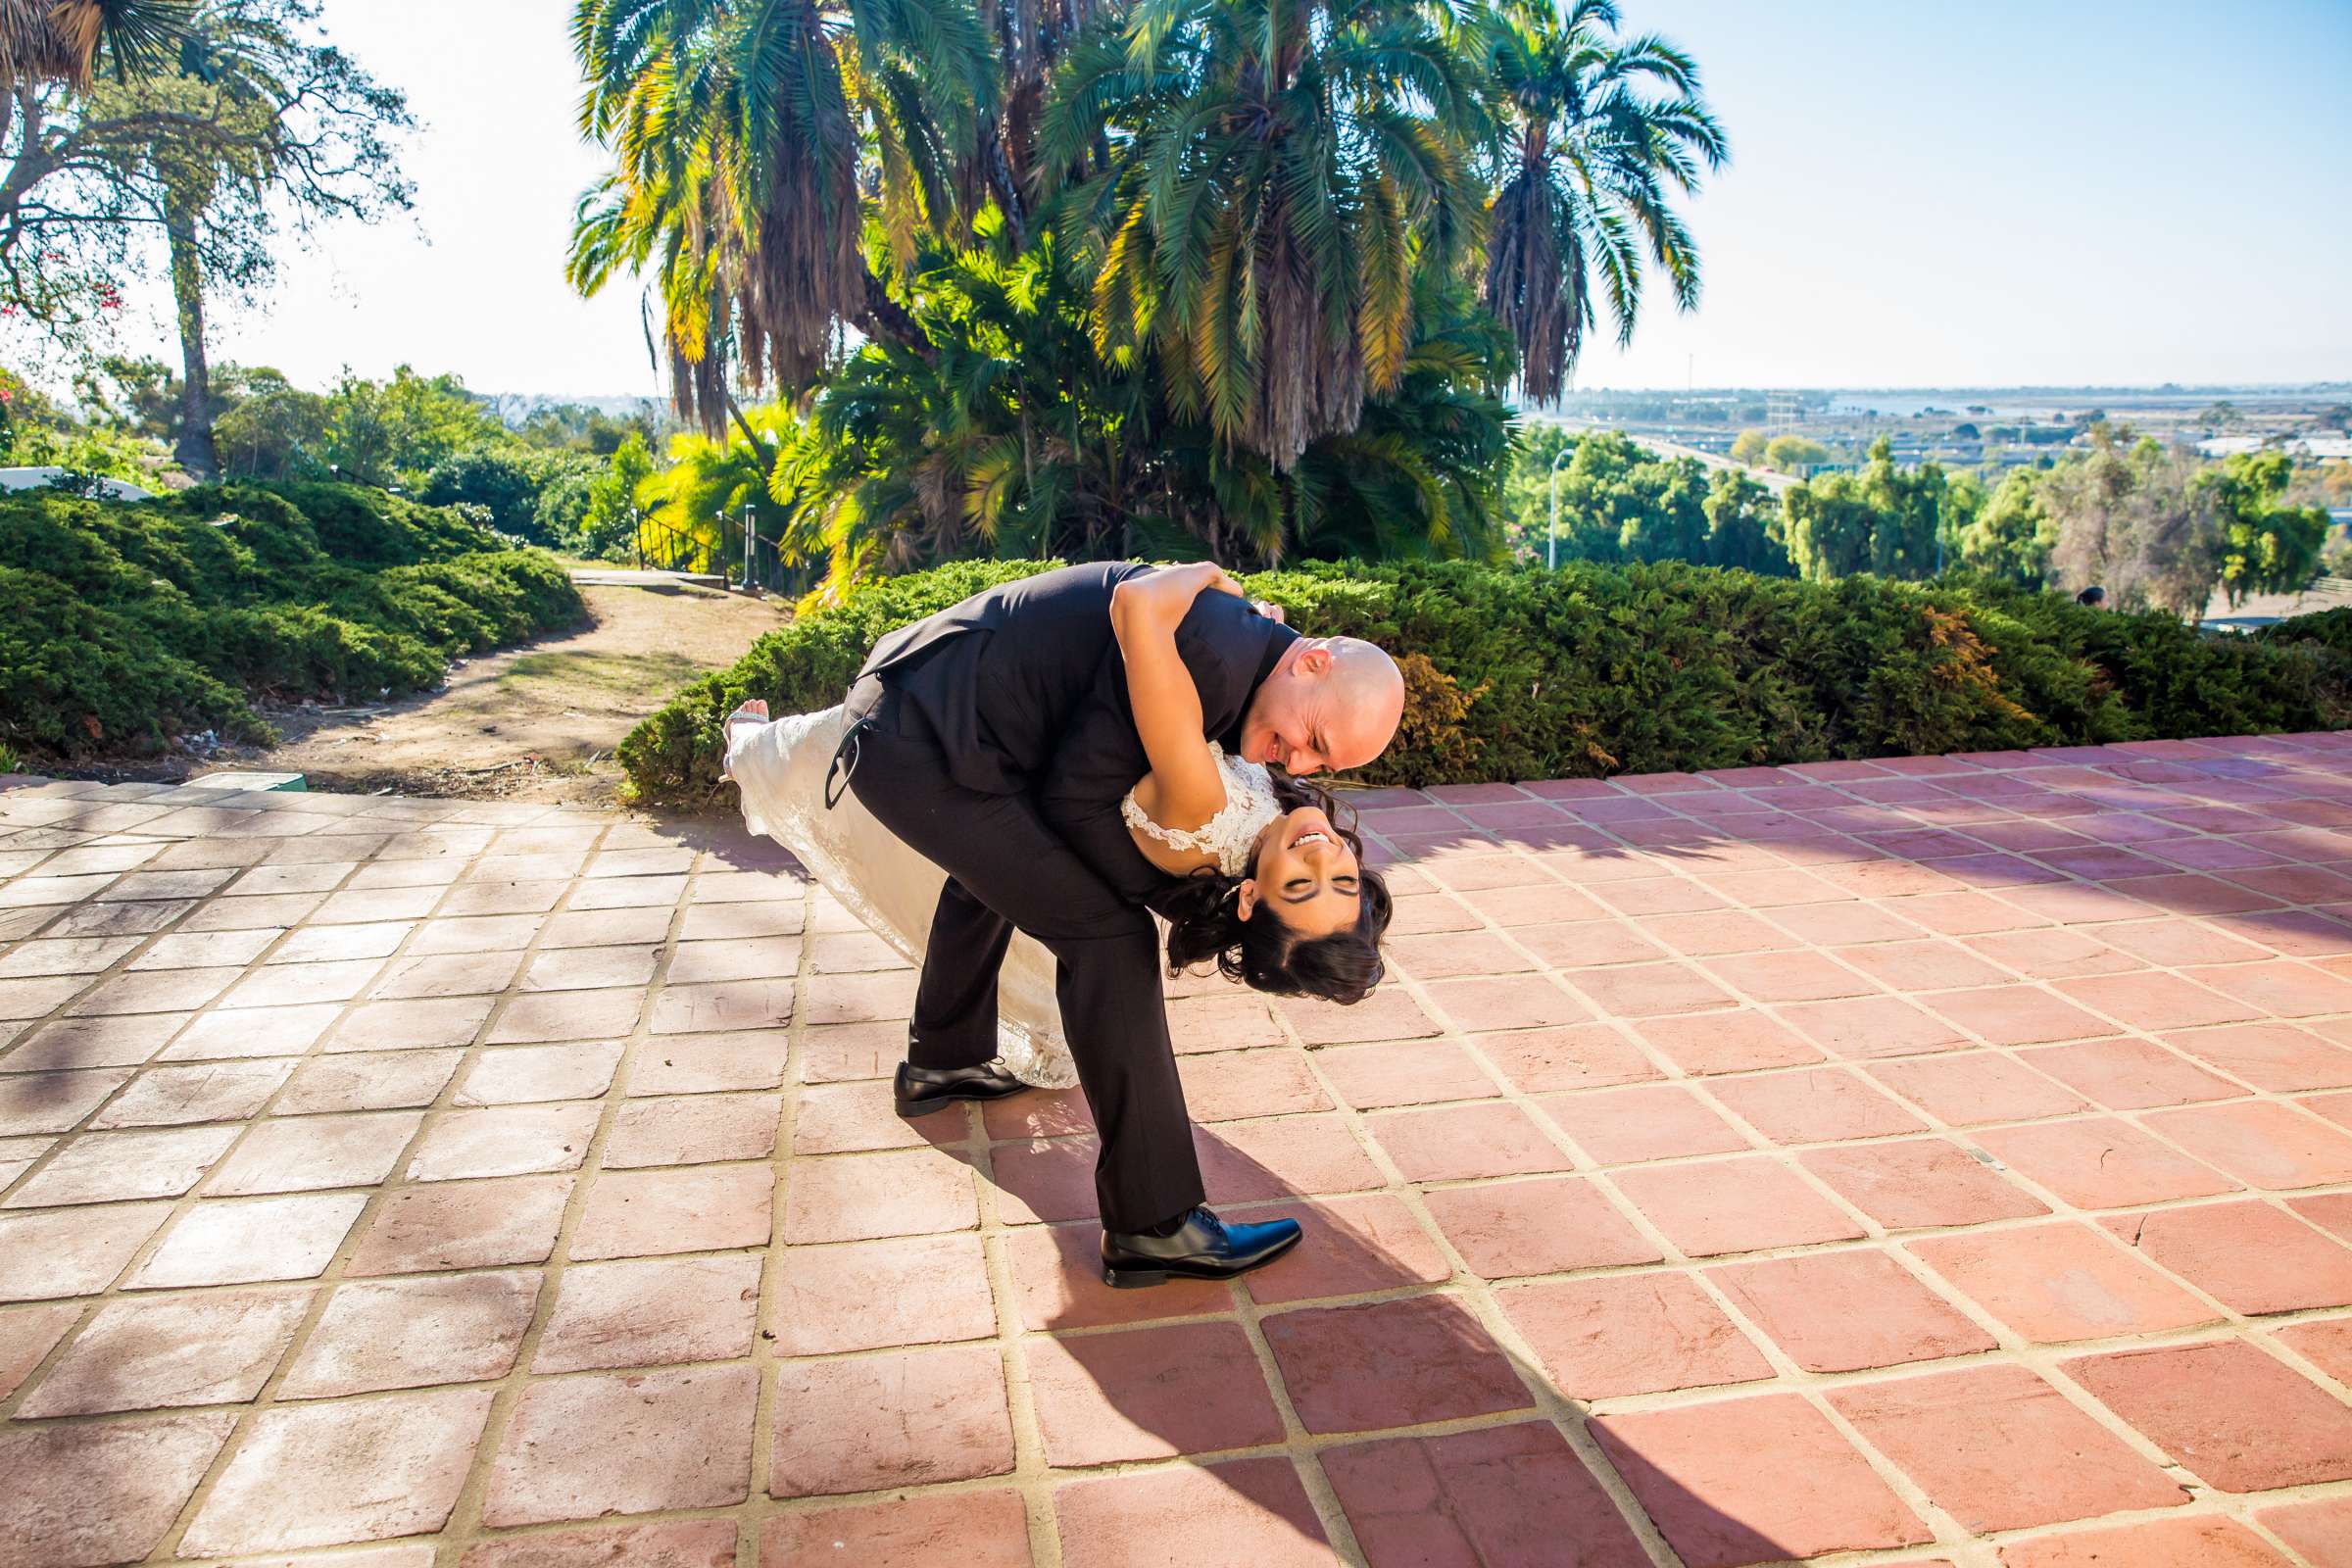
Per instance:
(780,768)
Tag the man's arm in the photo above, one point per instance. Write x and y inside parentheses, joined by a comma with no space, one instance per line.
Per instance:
(1100,756)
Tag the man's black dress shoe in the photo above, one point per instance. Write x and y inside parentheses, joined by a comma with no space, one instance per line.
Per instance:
(920,1090)
(1204,1247)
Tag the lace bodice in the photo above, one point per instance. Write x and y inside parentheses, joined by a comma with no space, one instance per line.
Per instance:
(1232,833)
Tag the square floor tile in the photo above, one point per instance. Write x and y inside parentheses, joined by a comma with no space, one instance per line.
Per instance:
(2000,1450)
(673,1438)
(2231,1416)
(72,1251)
(2248,1255)
(1623,1334)
(504,1141)
(903,1419)
(1965,1088)
(1539,1061)
(217,1348)
(651,1312)
(1694,1468)
(2204,1541)
(1251,1513)
(636,1213)
(1548,1225)
(2017,1015)
(28,1334)
(2101,1162)
(666,1544)
(110,1167)
(1844,1310)
(2261,1142)
(2320,1530)
(2276,1057)
(1456,1142)
(553,1015)
(695,1129)
(1917,1182)
(1814,1105)
(1642,1122)
(377,1081)
(172,1096)
(857,1197)
(1148,1393)
(2131,1074)
(1863,1028)
(418,1026)
(961,1530)
(106,1492)
(2058,1282)
(1406,1074)
(1390,1364)
(912,1290)
(1230,1085)
(237,1241)
(1245,1161)
(1742,1204)
(319,1475)
(2156,1001)
(310,1152)
(709,1064)
(1726,1042)
(463,1225)
(414,1333)
(1499,1495)
(524,1074)
(1647,989)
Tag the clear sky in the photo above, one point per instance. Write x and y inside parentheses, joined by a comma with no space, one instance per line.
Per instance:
(2004,193)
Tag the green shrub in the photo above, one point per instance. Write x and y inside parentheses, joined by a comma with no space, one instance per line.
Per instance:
(2328,628)
(122,624)
(1598,670)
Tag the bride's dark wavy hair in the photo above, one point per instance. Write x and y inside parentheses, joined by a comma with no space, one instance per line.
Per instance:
(1204,924)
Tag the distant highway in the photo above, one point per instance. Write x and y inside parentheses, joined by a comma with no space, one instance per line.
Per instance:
(1777,484)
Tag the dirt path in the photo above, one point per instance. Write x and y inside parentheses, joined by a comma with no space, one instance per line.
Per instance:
(535,722)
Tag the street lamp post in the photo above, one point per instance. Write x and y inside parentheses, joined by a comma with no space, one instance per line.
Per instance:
(1551,558)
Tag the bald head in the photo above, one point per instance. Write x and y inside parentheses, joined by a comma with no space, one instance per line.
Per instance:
(1333,703)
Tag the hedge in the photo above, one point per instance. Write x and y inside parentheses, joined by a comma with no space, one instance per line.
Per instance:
(1597,669)
(125,624)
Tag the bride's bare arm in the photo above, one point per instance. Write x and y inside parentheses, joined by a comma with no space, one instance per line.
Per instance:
(1184,788)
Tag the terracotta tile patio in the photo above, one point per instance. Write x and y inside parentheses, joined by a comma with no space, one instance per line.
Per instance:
(1936,1160)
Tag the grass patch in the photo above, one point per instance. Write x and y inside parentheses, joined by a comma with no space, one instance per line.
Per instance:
(625,674)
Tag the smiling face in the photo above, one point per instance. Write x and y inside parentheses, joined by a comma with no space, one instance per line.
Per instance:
(1305,875)
(1333,703)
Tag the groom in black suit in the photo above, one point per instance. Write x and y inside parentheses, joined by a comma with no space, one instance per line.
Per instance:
(995,738)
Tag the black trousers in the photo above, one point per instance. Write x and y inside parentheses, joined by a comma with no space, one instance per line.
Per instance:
(1008,871)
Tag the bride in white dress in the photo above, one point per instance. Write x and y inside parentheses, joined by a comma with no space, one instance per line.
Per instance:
(1277,895)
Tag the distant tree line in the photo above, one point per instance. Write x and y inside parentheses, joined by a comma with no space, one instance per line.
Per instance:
(2157,528)
(566,479)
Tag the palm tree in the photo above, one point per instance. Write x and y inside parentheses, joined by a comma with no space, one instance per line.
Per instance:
(1260,182)
(752,139)
(1593,160)
(62,40)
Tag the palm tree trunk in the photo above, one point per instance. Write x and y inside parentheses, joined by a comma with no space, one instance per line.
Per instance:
(195,449)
